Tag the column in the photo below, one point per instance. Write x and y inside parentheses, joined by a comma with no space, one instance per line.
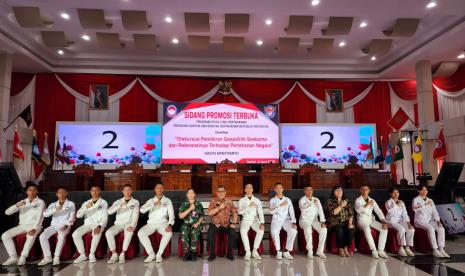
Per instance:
(5,83)
(426,114)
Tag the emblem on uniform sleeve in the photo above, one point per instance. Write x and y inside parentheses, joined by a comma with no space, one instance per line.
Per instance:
(164,204)
(132,207)
(100,207)
(35,206)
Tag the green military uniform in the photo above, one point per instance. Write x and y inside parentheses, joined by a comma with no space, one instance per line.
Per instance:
(189,234)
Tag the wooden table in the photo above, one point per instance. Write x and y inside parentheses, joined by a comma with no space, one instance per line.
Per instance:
(232,181)
(322,180)
(377,180)
(268,179)
(173,180)
(115,181)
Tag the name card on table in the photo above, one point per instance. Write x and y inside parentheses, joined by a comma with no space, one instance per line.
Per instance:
(232,170)
(185,171)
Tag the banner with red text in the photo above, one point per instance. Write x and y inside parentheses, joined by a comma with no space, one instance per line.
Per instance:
(207,133)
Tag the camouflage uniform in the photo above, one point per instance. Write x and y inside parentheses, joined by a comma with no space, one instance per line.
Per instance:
(189,234)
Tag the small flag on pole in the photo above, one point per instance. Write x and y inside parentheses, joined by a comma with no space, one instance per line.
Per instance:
(17,148)
(370,151)
(379,153)
(399,119)
(440,149)
(388,155)
(58,153)
(65,153)
(45,156)
(35,154)
(417,155)
(398,151)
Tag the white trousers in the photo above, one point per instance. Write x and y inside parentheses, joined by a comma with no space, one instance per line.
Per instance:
(276,226)
(44,240)
(77,238)
(366,228)
(244,229)
(115,230)
(148,230)
(404,233)
(431,227)
(7,238)
(308,227)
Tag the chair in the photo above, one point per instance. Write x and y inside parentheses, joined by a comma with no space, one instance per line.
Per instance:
(282,237)
(155,239)
(251,234)
(35,252)
(332,244)
(221,244)
(101,250)
(361,242)
(302,243)
(133,248)
(68,250)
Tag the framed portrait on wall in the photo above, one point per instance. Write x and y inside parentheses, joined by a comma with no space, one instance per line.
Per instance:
(334,100)
(99,96)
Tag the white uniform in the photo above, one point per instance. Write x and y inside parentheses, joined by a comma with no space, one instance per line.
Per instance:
(160,216)
(366,220)
(30,218)
(95,216)
(60,218)
(310,209)
(283,218)
(127,215)
(397,218)
(252,217)
(427,218)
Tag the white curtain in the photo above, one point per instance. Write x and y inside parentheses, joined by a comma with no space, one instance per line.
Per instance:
(404,168)
(452,105)
(18,103)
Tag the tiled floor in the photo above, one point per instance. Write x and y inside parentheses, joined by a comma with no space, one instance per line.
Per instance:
(334,265)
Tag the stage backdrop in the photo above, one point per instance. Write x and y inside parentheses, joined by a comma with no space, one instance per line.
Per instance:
(208,133)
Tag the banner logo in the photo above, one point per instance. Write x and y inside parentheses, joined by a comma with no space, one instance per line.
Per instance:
(171,110)
(270,111)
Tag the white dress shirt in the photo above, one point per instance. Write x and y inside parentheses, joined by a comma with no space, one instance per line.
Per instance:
(250,213)
(64,217)
(127,213)
(30,214)
(96,215)
(282,213)
(365,214)
(161,214)
(396,213)
(311,208)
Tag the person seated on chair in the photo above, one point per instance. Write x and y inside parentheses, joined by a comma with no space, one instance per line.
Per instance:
(161,219)
(427,218)
(340,220)
(191,212)
(63,213)
(251,210)
(283,218)
(127,216)
(364,206)
(398,219)
(310,210)
(30,223)
(221,210)
(95,212)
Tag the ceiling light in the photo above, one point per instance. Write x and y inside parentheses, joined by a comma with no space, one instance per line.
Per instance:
(373,58)
(85,37)
(259,42)
(60,52)
(363,24)
(461,56)
(175,41)
(315,2)
(342,44)
(431,4)
(168,19)
(64,15)
(268,22)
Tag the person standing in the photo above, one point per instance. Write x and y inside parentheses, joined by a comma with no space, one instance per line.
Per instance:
(161,219)
(427,218)
(127,216)
(310,210)
(283,218)
(95,212)
(251,210)
(364,206)
(30,223)
(63,213)
(398,219)
(221,210)
(191,212)
(341,220)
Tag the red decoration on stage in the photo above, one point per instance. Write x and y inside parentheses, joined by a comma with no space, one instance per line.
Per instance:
(440,149)
(399,119)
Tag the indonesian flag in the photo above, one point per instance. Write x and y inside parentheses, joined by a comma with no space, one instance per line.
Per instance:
(17,148)
(398,120)
(58,153)
(440,149)
(45,156)
(370,155)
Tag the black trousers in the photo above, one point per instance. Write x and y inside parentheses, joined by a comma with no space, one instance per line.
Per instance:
(212,230)
(344,235)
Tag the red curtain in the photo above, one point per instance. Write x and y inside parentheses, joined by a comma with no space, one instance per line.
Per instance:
(138,106)
(179,89)
(297,108)
(220,98)
(407,90)
(52,103)
(19,81)
(454,83)
(261,90)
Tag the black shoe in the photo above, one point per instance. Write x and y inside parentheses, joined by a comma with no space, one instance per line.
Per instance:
(193,256)
(230,257)
(187,256)
(212,257)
